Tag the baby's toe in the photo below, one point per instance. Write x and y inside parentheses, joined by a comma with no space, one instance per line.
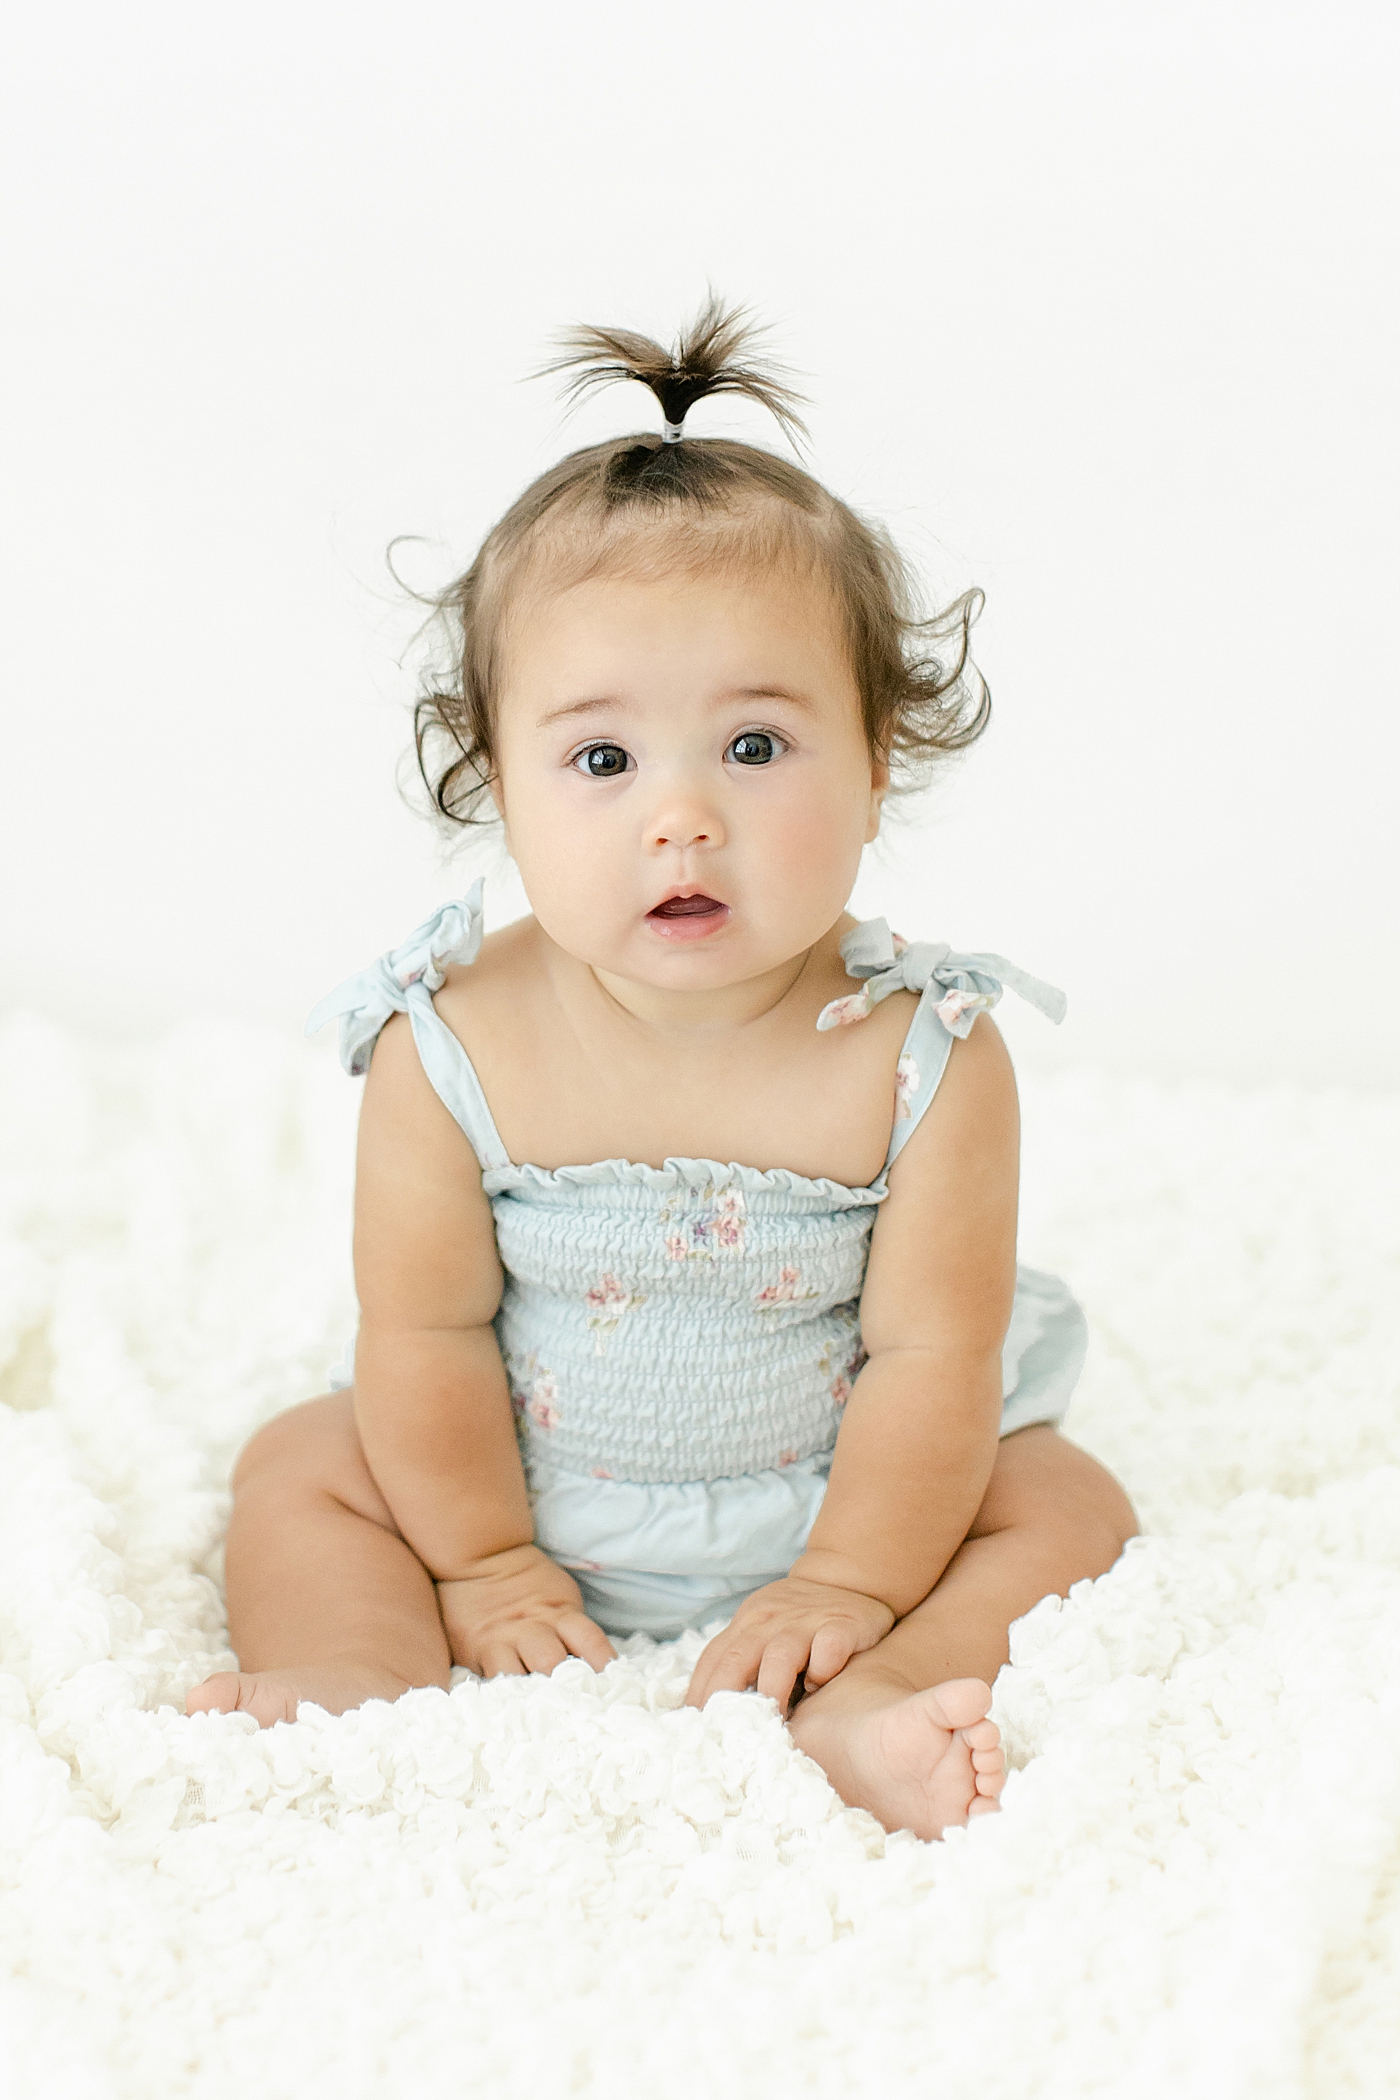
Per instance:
(980,1805)
(268,1698)
(963,1702)
(217,1695)
(983,1735)
(989,1771)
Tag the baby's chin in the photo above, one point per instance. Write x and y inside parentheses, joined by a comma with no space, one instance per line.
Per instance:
(729,955)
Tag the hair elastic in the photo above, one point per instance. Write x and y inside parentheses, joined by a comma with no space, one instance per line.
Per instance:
(672,433)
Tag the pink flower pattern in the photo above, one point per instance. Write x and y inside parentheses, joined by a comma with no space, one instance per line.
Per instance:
(906,1085)
(839,1013)
(784,1292)
(951,1009)
(607,1302)
(717,1228)
(542,1405)
(842,1376)
(534,1394)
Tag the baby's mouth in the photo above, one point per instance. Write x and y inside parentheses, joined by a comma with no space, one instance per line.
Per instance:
(686,907)
(688,917)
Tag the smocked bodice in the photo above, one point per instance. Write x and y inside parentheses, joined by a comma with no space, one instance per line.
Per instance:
(688,1322)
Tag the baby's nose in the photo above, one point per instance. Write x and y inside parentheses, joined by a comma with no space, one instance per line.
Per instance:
(683,821)
(683,835)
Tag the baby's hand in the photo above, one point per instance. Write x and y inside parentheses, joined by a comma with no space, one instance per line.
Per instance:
(789,1629)
(516,1613)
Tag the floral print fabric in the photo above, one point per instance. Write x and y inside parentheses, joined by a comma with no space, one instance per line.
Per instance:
(714,1228)
(607,1301)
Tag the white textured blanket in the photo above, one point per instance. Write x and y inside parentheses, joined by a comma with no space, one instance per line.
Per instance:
(568,1886)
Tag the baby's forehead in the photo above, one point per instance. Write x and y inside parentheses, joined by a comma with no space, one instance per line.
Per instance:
(759,540)
(712,624)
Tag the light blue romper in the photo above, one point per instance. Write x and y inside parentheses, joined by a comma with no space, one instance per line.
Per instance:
(680,1340)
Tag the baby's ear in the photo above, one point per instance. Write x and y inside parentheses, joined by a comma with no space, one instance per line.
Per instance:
(879,788)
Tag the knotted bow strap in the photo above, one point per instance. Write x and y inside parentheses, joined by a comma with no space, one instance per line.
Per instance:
(970,983)
(365,1002)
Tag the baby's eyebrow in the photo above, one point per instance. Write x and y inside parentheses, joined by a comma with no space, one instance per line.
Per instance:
(727,698)
(579,707)
(771,692)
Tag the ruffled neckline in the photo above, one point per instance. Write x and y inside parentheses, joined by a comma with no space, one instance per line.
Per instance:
(679,1172)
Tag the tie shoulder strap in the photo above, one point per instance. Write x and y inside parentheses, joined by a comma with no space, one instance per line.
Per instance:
(365,1001)
(965,984)
(952,989)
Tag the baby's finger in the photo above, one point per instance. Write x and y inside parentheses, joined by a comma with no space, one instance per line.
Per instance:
(463,1651)
(581,1637)
(540,1648)
(727,1665)
(498,1658)
(698,1690)
(778,1670)
(832,1649)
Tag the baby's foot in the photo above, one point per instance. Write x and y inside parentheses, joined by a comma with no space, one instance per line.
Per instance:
(920,1762)
(273,1695)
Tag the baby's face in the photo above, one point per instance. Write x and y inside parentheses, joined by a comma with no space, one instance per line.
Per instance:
(683,773)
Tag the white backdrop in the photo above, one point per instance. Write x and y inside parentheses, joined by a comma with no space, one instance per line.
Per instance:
(1096,306)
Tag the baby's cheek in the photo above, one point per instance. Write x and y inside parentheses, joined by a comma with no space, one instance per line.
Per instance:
(589,905)
(567,867)
(812,848)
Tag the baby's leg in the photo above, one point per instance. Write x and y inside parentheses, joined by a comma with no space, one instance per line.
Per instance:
(325,1600)
(902,1730)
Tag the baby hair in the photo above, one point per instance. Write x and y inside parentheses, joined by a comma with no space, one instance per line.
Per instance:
(650,504)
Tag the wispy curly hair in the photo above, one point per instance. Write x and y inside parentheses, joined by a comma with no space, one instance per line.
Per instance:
(650,503)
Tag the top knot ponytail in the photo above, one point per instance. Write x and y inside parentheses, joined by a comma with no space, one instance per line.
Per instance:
(709,358)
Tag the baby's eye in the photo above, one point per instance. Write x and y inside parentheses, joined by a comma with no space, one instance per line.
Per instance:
(755,747)
(601,761)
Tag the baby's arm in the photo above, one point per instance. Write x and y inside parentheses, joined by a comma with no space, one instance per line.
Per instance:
(919,1437)
(431,1400)
(920,1433)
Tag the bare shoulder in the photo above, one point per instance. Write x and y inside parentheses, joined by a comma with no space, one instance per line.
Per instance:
(973,1119)
(425,1250)
(503,982)
(979,1068)
(943,1253)
(402,1119)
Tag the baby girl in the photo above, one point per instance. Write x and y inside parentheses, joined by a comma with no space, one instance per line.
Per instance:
(685,1217)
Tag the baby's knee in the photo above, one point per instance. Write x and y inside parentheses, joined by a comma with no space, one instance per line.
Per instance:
(1044,1483)
(316,1440)
(1099,1518)
(1116,1511)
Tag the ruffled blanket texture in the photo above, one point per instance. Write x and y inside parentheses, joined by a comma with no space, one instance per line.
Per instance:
(574,1886)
